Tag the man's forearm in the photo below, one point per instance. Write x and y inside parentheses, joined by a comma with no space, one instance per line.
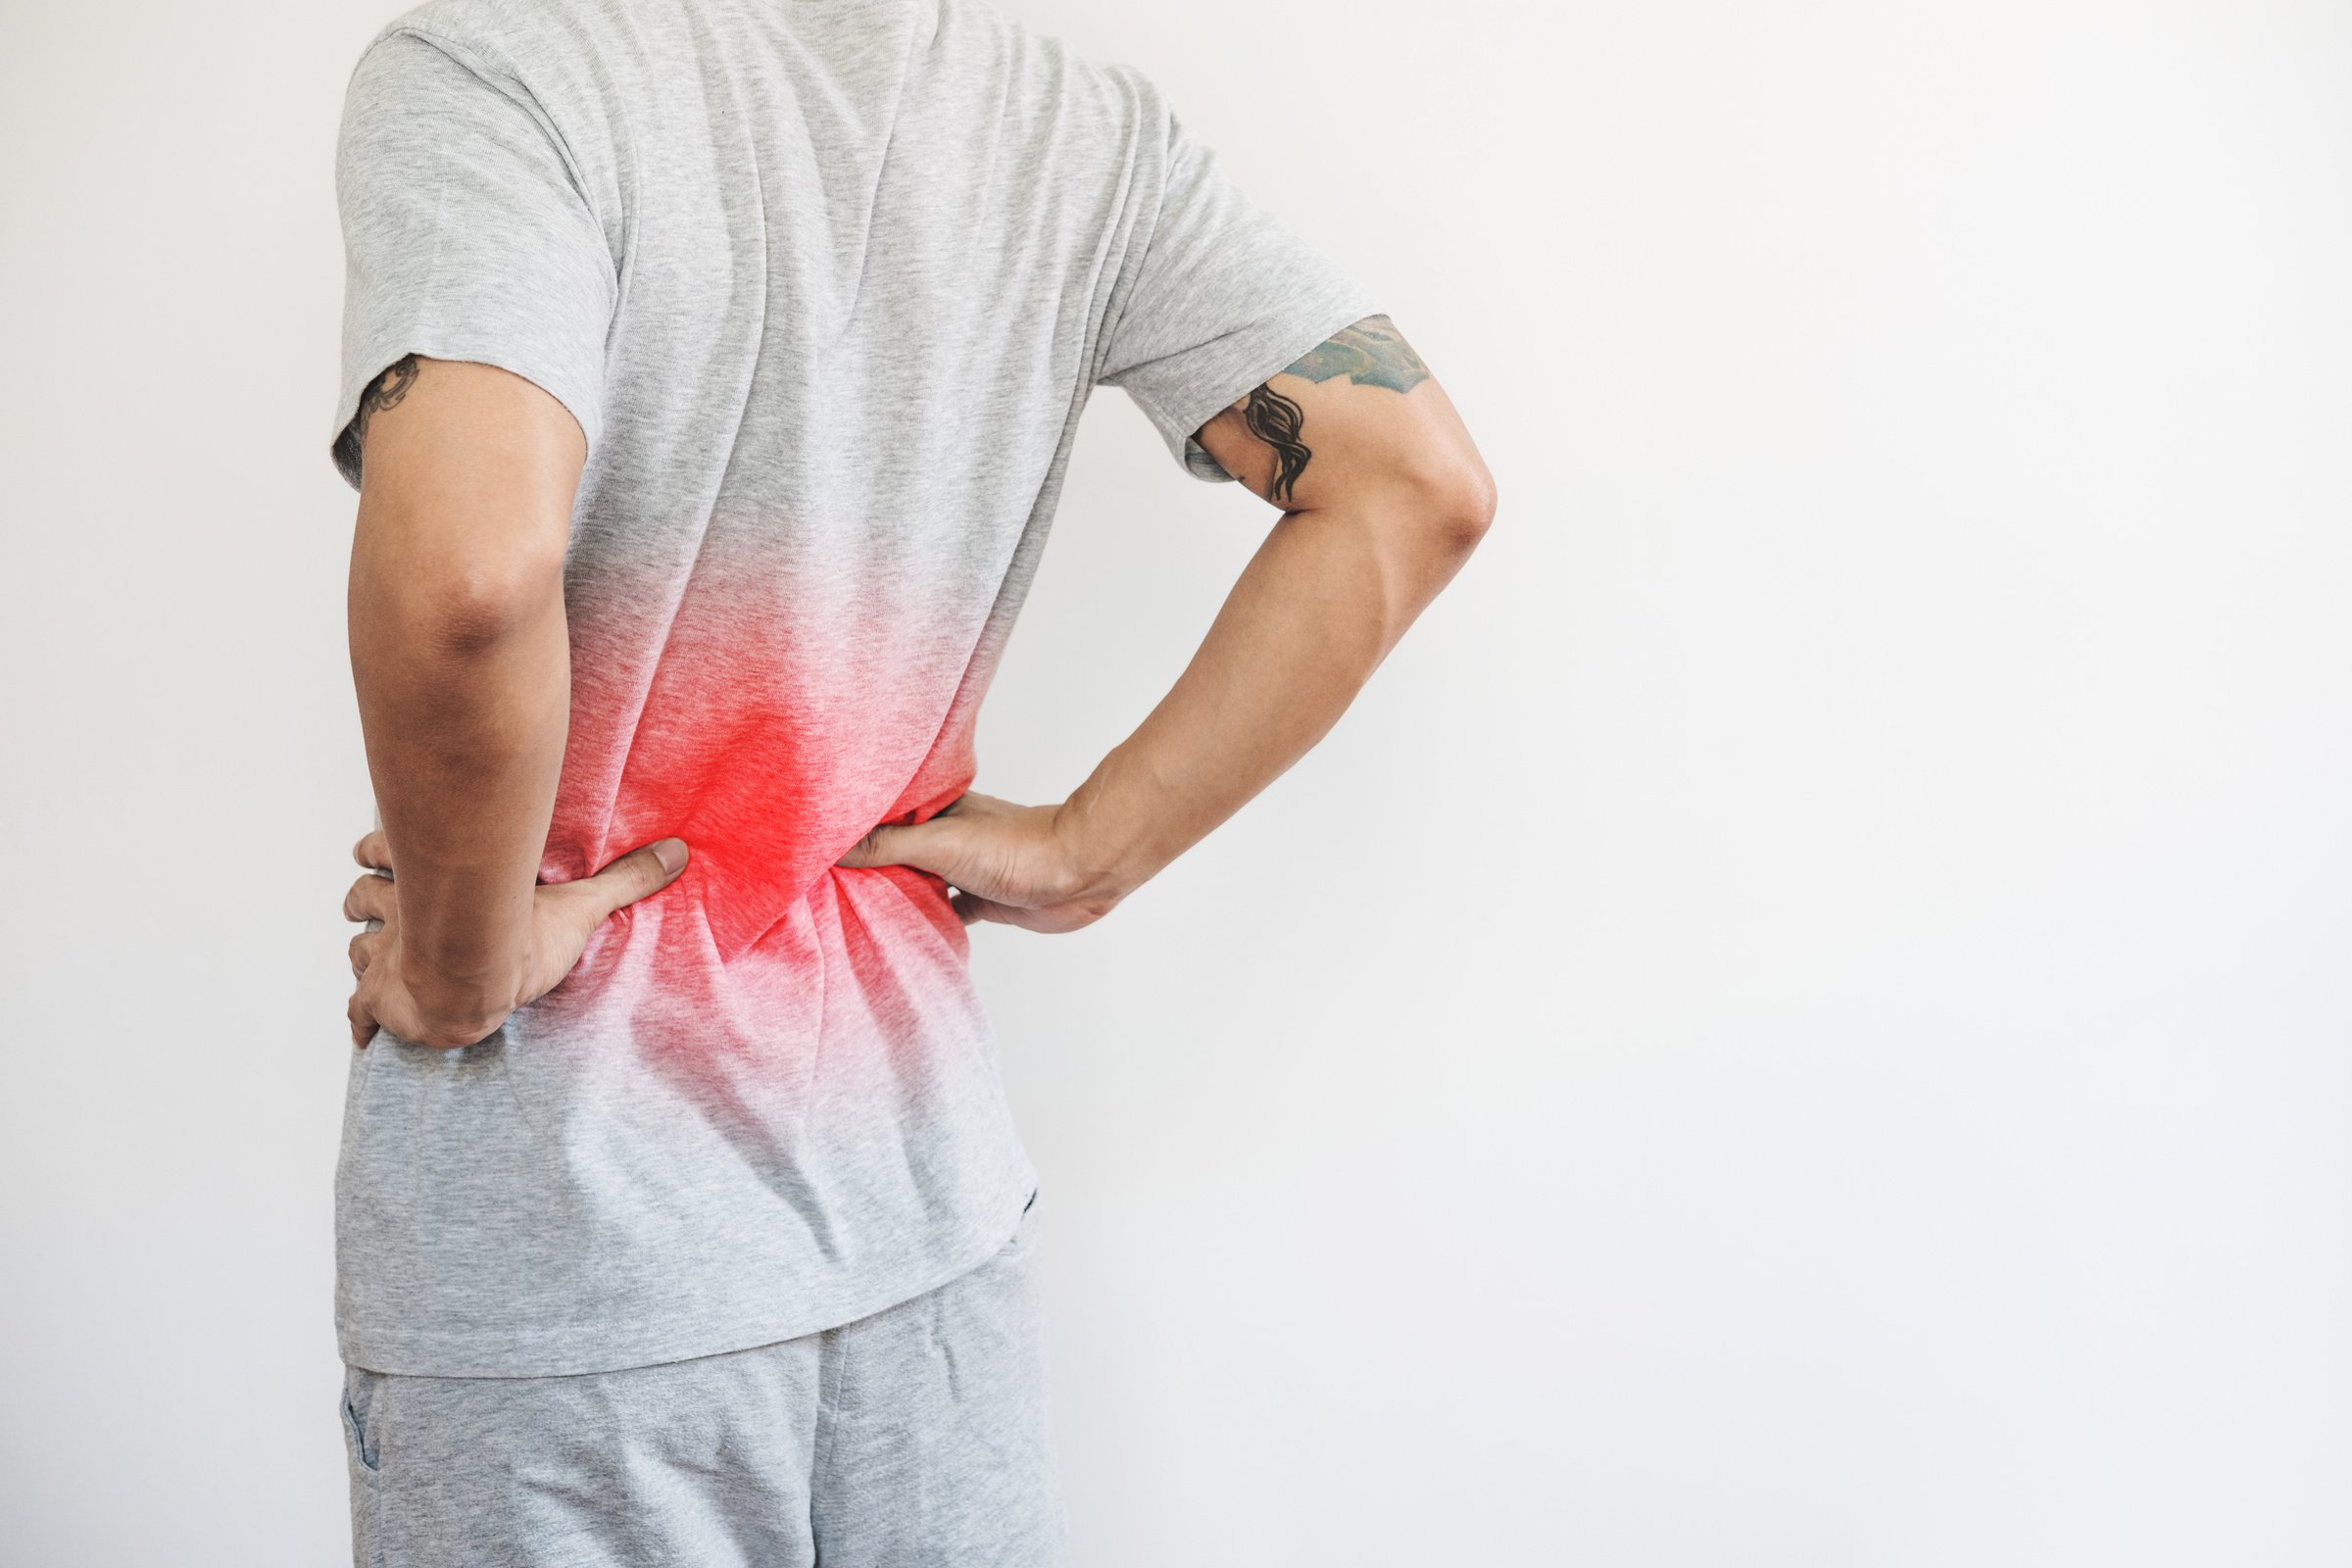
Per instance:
(464,695)
(1317,609)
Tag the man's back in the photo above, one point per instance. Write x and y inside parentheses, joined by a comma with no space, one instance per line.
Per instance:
(826,287)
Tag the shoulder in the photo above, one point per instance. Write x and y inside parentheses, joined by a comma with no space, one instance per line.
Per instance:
(475,59)
(515,39)
(1057,74)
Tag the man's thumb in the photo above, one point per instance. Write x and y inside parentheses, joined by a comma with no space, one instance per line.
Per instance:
(641,872)
(877,848)
(924,846)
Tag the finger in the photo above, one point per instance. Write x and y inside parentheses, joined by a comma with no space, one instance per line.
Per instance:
(920,844)
(971,908)
(878,848)
(638,874)
(364,949)
(925,845)
(374,852)
(370,898)
(362,1022)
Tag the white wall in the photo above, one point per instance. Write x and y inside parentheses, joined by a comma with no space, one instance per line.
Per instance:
(1803,1020)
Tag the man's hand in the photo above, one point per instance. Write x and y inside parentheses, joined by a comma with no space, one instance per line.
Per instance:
(1009,863)
(564,916)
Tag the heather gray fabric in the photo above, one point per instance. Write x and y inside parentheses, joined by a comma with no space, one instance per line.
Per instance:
(827,284)
(915,1437)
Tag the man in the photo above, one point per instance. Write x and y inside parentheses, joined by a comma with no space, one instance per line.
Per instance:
(711,369)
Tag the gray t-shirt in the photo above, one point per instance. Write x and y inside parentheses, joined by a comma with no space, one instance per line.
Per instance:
(827,284)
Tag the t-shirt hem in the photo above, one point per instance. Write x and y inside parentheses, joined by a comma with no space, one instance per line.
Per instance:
(574,1348)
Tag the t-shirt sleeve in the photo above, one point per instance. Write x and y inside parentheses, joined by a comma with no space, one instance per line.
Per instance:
(466,232)
(1224,296)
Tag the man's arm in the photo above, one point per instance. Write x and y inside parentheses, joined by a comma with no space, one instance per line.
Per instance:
(463,664)
(1384,497)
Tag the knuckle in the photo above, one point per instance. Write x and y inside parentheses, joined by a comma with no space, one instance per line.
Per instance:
(451,1036)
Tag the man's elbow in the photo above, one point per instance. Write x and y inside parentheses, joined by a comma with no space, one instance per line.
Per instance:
(1454,493)
(489,606)
(464,609)
(1472,512)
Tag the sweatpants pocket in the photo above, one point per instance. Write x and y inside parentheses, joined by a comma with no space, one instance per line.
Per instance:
(359,1438)
(363,1454)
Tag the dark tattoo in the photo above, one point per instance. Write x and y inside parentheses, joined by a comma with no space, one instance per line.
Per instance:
(384,392)
(1371,352)
(1276,420)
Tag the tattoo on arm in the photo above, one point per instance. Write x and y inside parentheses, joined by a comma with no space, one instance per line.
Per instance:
(1275,419)
(384,392)
(1371,353)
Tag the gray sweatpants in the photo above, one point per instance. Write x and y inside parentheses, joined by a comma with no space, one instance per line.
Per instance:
(915,1437)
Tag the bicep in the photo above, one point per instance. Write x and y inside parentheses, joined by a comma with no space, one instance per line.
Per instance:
(1358,413)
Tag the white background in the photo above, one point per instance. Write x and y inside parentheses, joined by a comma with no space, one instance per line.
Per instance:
(1801,1020)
